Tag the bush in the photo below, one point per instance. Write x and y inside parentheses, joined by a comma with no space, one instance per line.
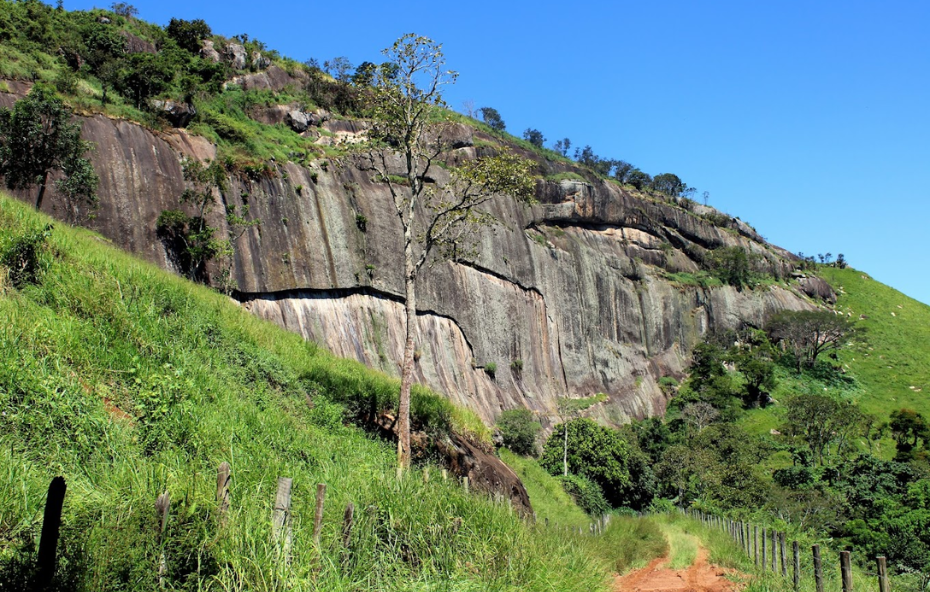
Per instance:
(519,430)
(23,256)
(599,453)
(188,34)
(587,494)
(490,369)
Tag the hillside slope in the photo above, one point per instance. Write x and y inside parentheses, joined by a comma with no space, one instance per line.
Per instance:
(894,364)
(131,382)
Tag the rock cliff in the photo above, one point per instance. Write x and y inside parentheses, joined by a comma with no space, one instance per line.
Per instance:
(569,297)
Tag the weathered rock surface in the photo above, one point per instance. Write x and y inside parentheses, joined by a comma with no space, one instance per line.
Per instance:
(178,114)
(573,287)
(259,62)
(208,51)
(235,55)
(135,44)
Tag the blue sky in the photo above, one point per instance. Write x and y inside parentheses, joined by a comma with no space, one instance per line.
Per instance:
(807,119)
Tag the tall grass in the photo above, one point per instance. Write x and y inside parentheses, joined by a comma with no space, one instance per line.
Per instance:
(131,382)
(725,552)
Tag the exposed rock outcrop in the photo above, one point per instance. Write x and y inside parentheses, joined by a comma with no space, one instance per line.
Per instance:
(208,51)
(235,55)
(575,287)
(179,114)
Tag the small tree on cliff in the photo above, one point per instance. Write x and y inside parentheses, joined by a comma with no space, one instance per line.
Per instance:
(38,137)
(435,219)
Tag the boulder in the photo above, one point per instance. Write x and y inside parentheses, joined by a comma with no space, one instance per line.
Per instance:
(319,117)
(259,62)
(208,51)
(235,55)
(103,20)
(298,120)
(816,287)
(136,44)
(179,114)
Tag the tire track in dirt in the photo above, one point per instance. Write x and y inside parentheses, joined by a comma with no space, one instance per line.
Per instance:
(701,576)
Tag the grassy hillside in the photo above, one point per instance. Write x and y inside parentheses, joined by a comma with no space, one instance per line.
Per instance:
(131,382)
(886,368)
(894,365)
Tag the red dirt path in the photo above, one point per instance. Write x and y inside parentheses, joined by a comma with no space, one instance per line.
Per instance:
(699,577)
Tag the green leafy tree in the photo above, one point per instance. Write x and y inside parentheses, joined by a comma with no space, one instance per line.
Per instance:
(519,430)
(436,220)
(733,265)
(908,428)
(188,34)
(819,421)
(808,333)
(491,117)
(562,146)
(669,184)
(586,493)
(145,76)
(753,357)
(190,240)
(622,170)
(638,179)
(595,452)
(534,137)
(37,137)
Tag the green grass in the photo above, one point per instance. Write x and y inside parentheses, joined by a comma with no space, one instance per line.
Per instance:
(130,382)
(880,366)
(727,553)
(550,502)
(682,545)
(894,356)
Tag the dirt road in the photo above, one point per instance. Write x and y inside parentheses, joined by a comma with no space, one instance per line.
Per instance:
(655,577)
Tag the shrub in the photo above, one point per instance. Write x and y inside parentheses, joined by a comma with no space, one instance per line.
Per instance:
(188,34)
(23,256)
(587,494)
(491,369)
(517,366)
(519,429)
(599,453)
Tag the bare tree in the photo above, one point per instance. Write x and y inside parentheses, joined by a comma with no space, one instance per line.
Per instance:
(468,107)
(435,219)
(699,415)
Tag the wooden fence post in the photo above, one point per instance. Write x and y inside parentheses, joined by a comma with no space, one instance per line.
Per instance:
(465,481)
(774,551)
(846,571)
(223,477)
(51,526)
(280,525)
(162,506)
(797,566)
(783,543)
(755,544)
(318,513)
(347,520)
(764,539)
(818,569)
(883,583)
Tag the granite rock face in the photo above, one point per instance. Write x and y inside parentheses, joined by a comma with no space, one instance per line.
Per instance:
(569,297)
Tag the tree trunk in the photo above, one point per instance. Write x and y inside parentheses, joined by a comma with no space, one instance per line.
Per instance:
(406,377)
(41,192)
(565,453)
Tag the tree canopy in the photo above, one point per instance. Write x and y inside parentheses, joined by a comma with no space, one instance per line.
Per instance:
(38,137)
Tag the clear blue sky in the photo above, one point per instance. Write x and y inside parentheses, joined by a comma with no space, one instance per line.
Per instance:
(807,119)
